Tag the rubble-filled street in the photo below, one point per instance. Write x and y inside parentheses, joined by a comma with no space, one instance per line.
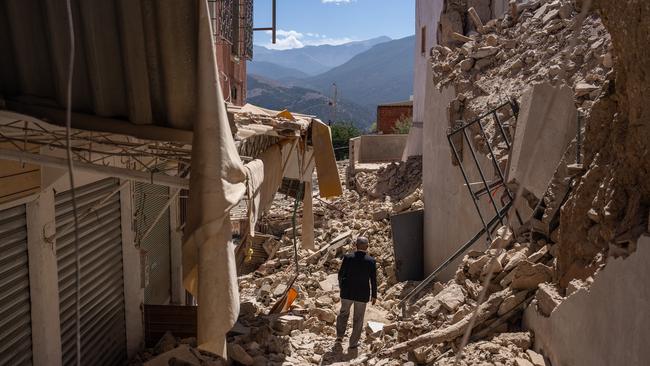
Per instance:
(290,295)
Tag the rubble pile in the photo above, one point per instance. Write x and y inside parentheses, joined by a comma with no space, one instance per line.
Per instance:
(516,271)
(395,180)
(504,349)
(173,351)
(536,41)
(305,334)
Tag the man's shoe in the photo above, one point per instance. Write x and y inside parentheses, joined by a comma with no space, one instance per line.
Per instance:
(353,346)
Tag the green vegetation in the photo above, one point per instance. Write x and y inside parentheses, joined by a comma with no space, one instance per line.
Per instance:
(342,132)
(403,125)
(373,128)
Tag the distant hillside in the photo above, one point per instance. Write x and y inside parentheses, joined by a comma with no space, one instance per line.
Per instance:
(271,94)
(382,74)
(274,71)
(311,60)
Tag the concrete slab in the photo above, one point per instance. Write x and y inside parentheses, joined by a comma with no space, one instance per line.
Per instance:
(613,313)
(545,127)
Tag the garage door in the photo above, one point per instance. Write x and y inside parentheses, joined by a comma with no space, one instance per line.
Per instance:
(148,202)
(15,315)
(103,331)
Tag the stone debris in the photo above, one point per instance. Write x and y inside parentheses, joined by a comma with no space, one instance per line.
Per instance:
(396,180)
(531,44)
(172,351)
(548,297)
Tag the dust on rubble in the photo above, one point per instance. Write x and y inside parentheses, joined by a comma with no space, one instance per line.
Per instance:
(535,43)
(396,180)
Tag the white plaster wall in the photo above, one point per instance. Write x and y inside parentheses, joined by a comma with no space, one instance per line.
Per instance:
(608,324)
(427,13)
(133,290)
(55,181)
(43,280)
(450,217)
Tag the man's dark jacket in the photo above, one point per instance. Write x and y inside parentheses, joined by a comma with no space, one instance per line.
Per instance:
(357,275)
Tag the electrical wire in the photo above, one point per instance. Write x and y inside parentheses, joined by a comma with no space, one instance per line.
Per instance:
(68,127)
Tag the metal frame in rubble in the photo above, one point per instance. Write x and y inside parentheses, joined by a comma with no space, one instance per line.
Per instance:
(486,187)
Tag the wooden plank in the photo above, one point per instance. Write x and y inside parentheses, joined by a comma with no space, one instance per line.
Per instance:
(18,181)
(329,182)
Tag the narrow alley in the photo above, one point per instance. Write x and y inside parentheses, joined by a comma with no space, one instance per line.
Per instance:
(176,192)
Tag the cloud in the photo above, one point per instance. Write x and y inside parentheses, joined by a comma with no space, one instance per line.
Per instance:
(287,39)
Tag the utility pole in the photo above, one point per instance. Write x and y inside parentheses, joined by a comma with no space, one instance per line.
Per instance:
(332,104)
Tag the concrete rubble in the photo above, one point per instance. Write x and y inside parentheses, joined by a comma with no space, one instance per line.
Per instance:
(537,41)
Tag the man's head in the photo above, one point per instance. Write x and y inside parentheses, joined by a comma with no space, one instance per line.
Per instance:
(362,243)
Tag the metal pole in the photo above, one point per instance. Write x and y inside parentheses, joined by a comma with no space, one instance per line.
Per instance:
(274,25)
(124,173)
(462,170)
(449,260)
(480,171)
(503,132)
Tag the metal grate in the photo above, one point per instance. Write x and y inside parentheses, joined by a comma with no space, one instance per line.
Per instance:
(485,187)
(15,312)
(222,17)
(149,200)
(103,327)
(247,25)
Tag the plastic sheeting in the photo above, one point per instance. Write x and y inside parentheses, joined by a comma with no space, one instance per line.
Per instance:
(264,179)
(217,183)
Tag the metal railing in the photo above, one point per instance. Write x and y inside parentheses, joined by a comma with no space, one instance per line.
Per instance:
(486,188)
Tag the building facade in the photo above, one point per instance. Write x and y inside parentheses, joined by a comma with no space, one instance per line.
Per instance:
(389,114)
(232,23)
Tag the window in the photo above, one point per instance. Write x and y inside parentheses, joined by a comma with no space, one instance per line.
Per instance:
(423,40)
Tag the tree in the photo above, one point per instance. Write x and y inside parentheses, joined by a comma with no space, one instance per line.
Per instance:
(403,125)
(342,132)
(373,128)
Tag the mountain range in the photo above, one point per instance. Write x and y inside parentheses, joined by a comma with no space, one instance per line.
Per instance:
(366,73)
(313,60)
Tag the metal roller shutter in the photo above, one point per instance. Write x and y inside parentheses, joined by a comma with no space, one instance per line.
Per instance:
(149,200)
(15,312)
(103,330)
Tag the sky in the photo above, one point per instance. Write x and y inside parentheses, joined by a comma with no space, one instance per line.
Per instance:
(315,22)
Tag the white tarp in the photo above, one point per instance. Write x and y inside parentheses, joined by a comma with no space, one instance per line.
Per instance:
(217,183)
(264,177)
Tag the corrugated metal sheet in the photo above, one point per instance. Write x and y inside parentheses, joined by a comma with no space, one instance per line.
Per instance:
(135,60)
(103,331)
(15,315)
(149,200)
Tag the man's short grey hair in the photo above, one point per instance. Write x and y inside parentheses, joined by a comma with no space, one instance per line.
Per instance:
(362,240)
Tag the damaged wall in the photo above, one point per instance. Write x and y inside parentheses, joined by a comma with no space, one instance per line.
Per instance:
(612,198)
(615,336)
(450,218)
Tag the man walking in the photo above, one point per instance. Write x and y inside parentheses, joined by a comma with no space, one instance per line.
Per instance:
(357,277)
